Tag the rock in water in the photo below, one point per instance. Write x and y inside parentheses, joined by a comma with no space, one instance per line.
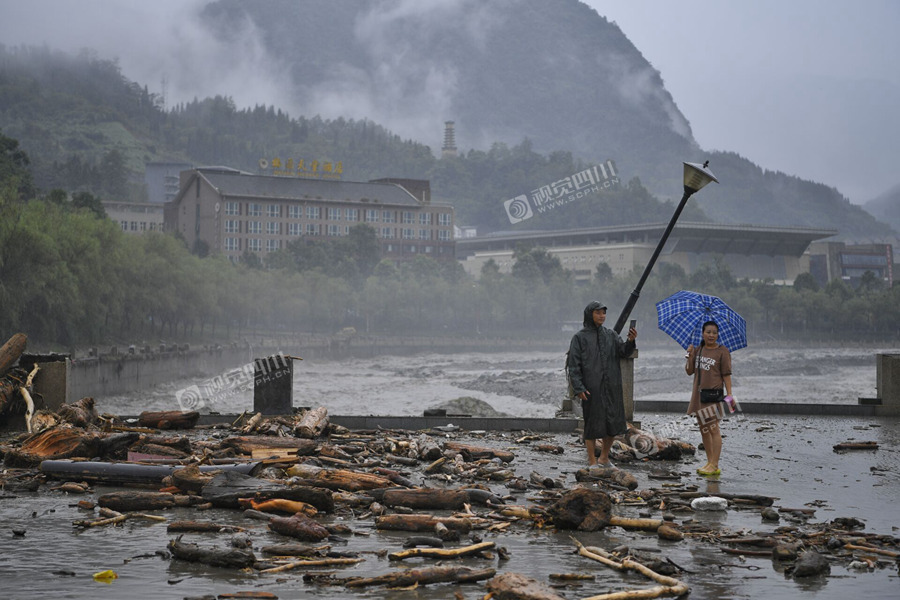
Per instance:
(811,563)
(786,551)
(582,509)
(669,532)
(516,585)
(466,405)
(770,514)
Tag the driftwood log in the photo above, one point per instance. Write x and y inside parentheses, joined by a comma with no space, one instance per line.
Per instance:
(442,553)
(233,558)
(426,576)
(249,444)
(419,522)
(280,505)
(429,449)
(124,473)
(132,500)
(294,549)
(436,498)
(191,479)
(631,523)
(339,479)
(115,446)
(53,444)
(856,446)
(394,476)
(321,562)
(11,351)
(226,490)
(748,499)
(111,517)
(299,526)
(668,585)
(471,453)
(180,443)
(313,423)
(169,419)
(25,392)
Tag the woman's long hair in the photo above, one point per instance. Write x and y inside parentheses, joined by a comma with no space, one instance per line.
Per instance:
(702,329)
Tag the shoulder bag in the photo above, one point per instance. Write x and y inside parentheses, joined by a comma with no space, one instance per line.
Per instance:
(707,395)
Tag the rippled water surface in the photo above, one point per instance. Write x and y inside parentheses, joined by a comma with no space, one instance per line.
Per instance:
(527,384)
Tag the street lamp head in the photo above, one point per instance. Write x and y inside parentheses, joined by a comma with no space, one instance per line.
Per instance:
(696,176)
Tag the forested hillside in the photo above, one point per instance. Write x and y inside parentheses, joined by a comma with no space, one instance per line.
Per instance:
(87,128)
(887,207)
(82,140)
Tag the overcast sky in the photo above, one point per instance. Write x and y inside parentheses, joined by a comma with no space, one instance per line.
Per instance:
(808,87)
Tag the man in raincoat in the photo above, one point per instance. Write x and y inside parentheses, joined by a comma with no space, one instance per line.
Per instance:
(593,369)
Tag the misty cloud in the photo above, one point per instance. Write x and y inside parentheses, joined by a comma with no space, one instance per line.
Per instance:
(152,42)
(401,87)
(641,87)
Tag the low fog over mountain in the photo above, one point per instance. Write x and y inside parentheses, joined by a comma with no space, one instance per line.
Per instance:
(557,74)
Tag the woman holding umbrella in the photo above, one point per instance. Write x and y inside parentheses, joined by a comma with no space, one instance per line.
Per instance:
(710,365)
(709,330)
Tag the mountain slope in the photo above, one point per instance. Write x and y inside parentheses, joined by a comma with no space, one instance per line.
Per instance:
(887,207)
(554,73)
(558,86)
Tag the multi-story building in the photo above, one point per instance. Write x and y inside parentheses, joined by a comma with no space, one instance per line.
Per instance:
(135,217)
(750,251)
(232,212)
(849,262)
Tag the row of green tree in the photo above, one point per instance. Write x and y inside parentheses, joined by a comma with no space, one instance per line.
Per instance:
(70,276)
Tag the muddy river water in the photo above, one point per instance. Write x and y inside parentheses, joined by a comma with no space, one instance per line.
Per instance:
(788,457)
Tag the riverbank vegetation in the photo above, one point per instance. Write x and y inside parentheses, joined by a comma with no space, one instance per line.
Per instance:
(70,276)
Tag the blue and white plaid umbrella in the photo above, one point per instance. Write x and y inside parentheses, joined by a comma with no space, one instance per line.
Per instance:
(682,314)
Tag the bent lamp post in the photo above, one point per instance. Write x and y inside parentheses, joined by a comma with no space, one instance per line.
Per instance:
(695,179)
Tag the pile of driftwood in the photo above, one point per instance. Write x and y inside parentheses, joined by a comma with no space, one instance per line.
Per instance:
(15,382)
(297,473)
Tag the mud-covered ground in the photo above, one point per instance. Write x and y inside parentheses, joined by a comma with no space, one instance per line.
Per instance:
(789,458)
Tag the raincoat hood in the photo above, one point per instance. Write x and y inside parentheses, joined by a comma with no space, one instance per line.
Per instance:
(589,312)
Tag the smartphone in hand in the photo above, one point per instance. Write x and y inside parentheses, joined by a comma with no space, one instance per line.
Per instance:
(633,324)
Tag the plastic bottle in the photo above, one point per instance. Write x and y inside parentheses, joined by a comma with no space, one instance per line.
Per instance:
(709,503)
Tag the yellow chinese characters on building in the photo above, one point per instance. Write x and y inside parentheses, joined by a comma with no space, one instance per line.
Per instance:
(300,167)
